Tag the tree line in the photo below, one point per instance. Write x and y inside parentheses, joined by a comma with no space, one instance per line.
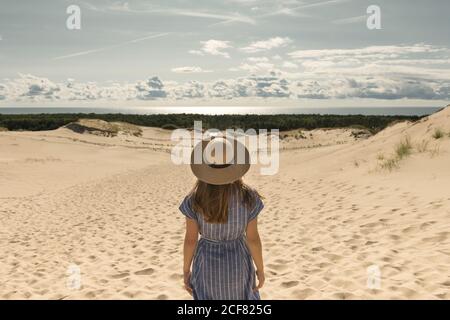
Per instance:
(37,122)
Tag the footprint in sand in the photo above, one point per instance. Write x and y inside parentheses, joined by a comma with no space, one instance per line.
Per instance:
(425,225)
(176,276)
(277,267)
(303,294)
(120,275)
(344,296)
(145,272)
(289,284)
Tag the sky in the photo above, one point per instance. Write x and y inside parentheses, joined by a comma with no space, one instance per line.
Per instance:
(234,52)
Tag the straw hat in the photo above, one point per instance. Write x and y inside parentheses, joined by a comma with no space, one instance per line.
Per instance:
(220,160)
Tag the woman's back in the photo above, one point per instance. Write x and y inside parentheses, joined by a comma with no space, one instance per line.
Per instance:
(238,217)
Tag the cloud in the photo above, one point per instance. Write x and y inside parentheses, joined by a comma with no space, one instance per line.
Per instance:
(82,53)
(257,67)
(288,9)
(394,61)
(258,59)
(266,45)
(290,65)
(151,9)
(370,88)
(389,72)
(372,52)
(213,47)
(197,52)
(222,89)
(254,86)
(271,86)
(189,90)
(189,70)
(152,89)
(32,88)
(264,65)
(320,4)
(350,20)
(204,14)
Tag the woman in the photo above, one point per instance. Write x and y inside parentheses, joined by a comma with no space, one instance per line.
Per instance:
(223,210)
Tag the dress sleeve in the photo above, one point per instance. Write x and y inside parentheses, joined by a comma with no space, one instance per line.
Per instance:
(186,208)
(259,205)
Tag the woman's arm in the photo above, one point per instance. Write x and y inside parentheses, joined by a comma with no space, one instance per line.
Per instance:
(190,243)
(255,247)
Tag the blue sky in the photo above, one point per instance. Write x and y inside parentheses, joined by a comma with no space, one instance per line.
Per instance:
(237,52)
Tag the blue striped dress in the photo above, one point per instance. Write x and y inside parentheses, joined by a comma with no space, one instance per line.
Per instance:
(222,267)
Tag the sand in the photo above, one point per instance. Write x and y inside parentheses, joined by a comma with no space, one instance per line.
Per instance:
(109,206)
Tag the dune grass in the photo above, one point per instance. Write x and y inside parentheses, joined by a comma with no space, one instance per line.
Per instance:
(423,146)
(438,133)
(435,151)
(390,164)
(402,150)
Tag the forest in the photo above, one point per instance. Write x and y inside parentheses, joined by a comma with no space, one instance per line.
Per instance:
(283,122)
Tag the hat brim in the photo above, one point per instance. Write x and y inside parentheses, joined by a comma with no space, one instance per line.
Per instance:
(220,176)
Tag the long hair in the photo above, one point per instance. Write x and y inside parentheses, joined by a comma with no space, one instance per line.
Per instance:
(211,201)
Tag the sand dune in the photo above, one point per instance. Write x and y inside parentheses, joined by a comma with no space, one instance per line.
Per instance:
(109,206)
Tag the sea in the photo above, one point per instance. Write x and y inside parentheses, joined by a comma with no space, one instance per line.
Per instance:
(214,110)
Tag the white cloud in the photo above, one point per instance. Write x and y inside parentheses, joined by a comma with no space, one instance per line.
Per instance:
(379,72)
(151,89)
(357,19)
(297,8)
(320,4)
(256,67)
(86,52)
(266,45)
(258,59)
(289,65)
(189,90)
(369,87)
(417,71)
(34,89)
(151,8)
(189,70)
(213,47)
(197,52)
(421,61)
(372,52)
(269,86)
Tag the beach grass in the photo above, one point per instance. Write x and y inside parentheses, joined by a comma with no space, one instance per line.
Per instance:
(401,151)
(438,133)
